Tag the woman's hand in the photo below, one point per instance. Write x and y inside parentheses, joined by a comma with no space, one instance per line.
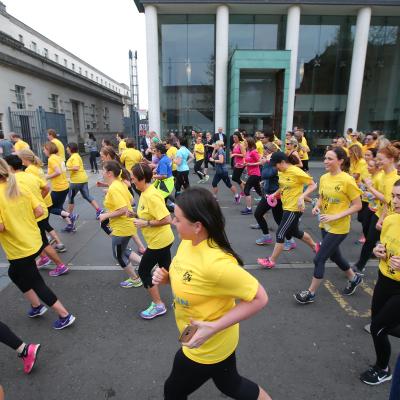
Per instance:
(380,251)
(103,217)
(394,263)
(204,331)
(327,218)
(160,276)
(140,223)
(316,211)
(130,214)
(300,204)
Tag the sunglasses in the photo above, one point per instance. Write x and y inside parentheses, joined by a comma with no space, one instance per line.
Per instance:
(288,144)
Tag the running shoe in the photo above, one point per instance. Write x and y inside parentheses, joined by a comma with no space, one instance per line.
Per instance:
(62,323)
(367,328)
(317,247)
(304,297)
(42,262)
(242,195)
(257,199)
(201,181)
(255,226)
(51,241)
(74,219)
(129,283)
(289,245)
(38,311)
(59,270)
(153,311)
(206,178)
(352,285)
(99,212)
(246,211)
(375,376)
(264,239)
(266,262)
(69,228)
(60,248)
(237,199)
(29,356)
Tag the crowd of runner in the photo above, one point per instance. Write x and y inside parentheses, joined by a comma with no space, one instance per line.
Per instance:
(144,184)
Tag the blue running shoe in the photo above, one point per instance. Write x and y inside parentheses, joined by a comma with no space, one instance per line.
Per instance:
(62,323)
(35,312)
(74,218)
(153,311)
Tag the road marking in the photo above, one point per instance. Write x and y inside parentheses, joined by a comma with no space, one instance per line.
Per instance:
(343,303)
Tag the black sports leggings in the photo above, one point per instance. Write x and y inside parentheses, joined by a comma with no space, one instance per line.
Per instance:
(364,217)
(182,179)
(24,273)
(371,238)
(262,208)
(187,376)
(329,249)
(8,337)
(253,181)
(385,316)
(198,169)
(237,174)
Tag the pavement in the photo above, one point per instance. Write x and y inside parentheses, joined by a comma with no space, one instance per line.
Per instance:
(295,352)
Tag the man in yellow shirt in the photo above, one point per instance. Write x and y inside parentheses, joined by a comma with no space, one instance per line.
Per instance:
(303,148)
(121,143)
(354,136)
(130,156)
(52,137)
(370,142)
(171,153)
(19,144)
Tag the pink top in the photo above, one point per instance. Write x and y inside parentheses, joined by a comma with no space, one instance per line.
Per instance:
(238,160)
(252,157)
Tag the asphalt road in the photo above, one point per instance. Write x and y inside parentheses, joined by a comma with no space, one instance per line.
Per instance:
(295,352)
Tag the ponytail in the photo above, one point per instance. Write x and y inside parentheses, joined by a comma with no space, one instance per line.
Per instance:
(29,155)
(9,177)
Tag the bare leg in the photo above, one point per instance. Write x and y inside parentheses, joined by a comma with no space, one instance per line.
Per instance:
(65,215)
(52,254)
(315,284)
(60,309)
(215,191)
(278,248)
(33,298)
(263,395)
(138,243)
(130,270)
(233,190)
(155,295)
(308,240)
(55,236)
(95,205)
(70,208)
(248,201)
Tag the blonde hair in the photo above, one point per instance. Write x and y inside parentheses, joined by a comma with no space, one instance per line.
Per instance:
(9,177)
(219,143)
(29,155)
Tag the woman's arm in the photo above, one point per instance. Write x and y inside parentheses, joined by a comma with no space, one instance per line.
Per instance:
(113,214)
(355,206)
(56,173)
(142,223)
(38,211)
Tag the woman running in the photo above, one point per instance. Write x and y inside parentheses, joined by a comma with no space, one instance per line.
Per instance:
(339,198)
(182,160)
(34,166)
(130,156)
(252,163)
(238,154)
(21,241)
(164,180)
(386,298)
(27,352)
(78,180)
(56,173)
(292,181)
(386,159)
(292,153)
(269,174)
(208,148)
(199,154)
(155,222)
(93,153)
(207,277)
(221,171)
(118,202)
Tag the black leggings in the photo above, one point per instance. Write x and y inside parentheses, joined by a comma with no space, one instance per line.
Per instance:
(289,226)
(150,258)
(8,337)
(385,316)
(207,160)
(187,376)
(237,174)
(364,217)
(198,169)
(221,175)
(371,239)
(182,180)
(93,162)
(253,181)
(262,208)
(329,249)
(25,275)
(58,199)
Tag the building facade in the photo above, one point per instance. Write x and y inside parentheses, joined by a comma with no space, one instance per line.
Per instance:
(273,64)
(43,85)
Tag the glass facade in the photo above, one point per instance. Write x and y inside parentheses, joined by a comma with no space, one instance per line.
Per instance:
(187,63)
(323,73)
(380,100)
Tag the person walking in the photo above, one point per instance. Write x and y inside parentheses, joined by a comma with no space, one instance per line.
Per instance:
(52,137)
(93,153)
(182,160)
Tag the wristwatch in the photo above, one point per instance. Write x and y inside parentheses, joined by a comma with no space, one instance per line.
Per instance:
(148,223)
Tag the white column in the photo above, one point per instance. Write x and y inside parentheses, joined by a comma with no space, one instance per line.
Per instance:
(292,44)
(357,68)
(153,79)
(221,67)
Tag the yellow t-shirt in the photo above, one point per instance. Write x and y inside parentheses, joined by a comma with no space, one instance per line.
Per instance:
(205,282)
(20,145)
(360,167)
(37,171)
(337,192)
(118,197)
(356,143)
(199,147)
(302,153)
(21,237)
(79,176)
(121,146)
(390,238)
(130,157)
(346,150)
(60,182)
(152,207)
(388,182)
(291,184)
(171,153)
(34,185)
(60,147)
(260,148)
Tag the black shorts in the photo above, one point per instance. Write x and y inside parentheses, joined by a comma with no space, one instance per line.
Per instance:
(289,226)
(44,227)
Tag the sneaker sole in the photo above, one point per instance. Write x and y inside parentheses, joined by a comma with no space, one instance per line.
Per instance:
(35,359)
(353,291)
(263,244)
(388,378)
(153,316)
(61,250)
(63,273)
(44,310)
(71,321)
(303,302)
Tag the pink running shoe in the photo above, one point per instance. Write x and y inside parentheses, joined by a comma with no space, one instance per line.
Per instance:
(42,262)
(266,262)
(30,358)
(60,270)
(317,247)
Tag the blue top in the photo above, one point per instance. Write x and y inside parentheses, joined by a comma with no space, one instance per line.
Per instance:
(183,153)
(269,175)
(5,148)
(221,168)
(164,166)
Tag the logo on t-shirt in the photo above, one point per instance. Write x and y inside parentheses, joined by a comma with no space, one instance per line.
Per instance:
(187,276)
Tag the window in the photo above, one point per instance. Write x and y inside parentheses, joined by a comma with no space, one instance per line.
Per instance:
(20,97)
(56,58)
(1,124)
(53,103)
(65,63)
(46,53)
(101,80)
(33,46)
(86,74)
(73,66)
(91,76)
(97,79)
(21,39)
(80,70)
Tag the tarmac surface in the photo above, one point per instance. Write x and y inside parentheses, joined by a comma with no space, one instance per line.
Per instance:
(295,352)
